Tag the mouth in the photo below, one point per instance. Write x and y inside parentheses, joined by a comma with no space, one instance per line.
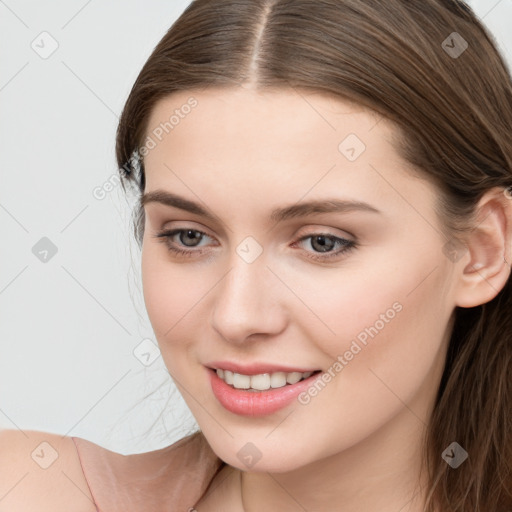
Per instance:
(262,381)
(258,394)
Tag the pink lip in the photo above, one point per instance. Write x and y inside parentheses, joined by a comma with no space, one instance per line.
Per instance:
(256,368)
(256,403)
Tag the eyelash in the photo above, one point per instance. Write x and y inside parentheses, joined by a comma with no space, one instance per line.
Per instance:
(166,235)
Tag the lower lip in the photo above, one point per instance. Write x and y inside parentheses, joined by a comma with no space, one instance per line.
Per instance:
(256,403)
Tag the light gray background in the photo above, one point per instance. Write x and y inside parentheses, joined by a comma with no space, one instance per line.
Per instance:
(71,327)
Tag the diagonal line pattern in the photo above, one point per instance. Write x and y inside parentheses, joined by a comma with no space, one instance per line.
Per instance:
(14,218)
(14,76)
(213,485)
(286,491)
(398,397)
(67,476)
(97,301)
(302,301)
(76,14)
(302,96)
(81,419)
(203,296)
(91,90)
(13,13)
(304,195)
(491,9)
(12,488)
(17,428)
(379,120)
(280,423)
(74,218)
(203,202)
(13,279)
(423,280)
(200,405)
(408,202)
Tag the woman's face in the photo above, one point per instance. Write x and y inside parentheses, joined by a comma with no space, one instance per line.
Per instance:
(356,286)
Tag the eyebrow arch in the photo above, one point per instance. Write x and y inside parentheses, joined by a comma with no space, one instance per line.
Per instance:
(328,205)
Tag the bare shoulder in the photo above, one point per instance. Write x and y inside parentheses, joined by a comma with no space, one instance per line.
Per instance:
(41,471)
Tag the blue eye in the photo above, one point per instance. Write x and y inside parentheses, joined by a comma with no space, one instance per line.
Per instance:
(322,243)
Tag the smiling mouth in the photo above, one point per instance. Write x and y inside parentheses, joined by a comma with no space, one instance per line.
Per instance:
(261,381)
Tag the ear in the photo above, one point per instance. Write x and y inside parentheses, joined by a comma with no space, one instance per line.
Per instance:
(485,268)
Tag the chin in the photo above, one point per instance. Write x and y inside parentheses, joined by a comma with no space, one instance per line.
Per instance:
(259,457)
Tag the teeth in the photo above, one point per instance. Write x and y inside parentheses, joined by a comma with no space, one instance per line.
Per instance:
(262,381)
(241,381)
(278,380)
(293,377)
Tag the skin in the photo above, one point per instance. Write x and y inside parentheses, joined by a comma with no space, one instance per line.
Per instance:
(241,153)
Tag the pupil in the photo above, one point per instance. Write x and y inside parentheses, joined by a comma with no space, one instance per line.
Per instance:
(323,246)
(190,234)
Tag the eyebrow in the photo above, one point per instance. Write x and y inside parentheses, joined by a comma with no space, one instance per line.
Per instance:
(303,209)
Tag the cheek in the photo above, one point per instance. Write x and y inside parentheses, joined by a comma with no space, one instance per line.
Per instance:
(387,351)
(175,298)
(390,330)
(378,314)
(397,300)
(391,319)
(169,292)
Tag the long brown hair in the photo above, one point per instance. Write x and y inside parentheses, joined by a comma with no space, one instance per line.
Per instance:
(432,68)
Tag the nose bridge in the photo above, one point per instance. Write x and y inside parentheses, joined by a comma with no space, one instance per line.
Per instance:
(247,300)
(248,272)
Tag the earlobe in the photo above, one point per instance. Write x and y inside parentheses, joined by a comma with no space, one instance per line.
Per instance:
(489,245)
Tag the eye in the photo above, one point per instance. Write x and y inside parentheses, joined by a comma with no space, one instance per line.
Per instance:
(323,243)
(187,237)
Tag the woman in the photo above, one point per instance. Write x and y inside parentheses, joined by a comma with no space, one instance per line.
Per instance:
(326,230)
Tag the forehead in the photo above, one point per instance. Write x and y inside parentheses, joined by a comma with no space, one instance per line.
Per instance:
(291,112)
(273,146)
(241,126)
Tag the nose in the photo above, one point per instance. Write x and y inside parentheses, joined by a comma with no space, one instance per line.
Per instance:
(248,302)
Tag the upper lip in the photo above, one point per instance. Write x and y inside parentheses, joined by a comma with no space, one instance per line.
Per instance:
(256,368)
